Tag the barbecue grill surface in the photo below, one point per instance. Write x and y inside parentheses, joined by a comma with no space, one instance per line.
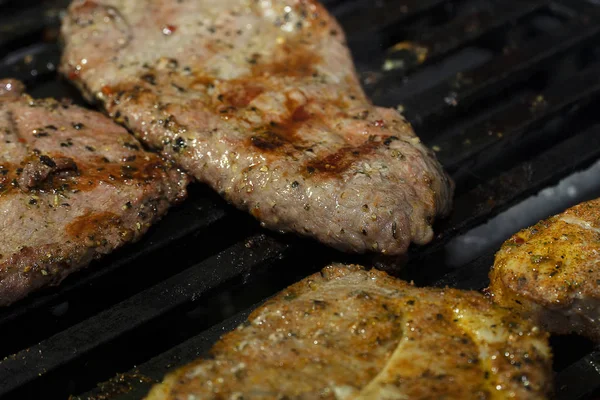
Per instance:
(506,92)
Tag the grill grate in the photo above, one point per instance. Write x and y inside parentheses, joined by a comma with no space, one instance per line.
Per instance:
(504,91)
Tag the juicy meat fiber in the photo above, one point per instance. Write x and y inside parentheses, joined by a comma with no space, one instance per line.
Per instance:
(73,186)
(260,100)
(347,333)
(550,272)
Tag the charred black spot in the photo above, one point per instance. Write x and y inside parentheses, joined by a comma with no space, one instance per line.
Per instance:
(132,146)
(295,184)
(40,133)
(32,201)
(389,140)
(68,143)
(267,141)
(90,148)
(179,88)
(150,78)
(51,127)
(47,161)
(78,125)
(130,158)
(179,144)
(127,171)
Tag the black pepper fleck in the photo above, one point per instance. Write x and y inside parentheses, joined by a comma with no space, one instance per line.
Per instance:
(47,161)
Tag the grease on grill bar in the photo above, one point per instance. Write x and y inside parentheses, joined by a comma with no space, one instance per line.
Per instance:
(517,118)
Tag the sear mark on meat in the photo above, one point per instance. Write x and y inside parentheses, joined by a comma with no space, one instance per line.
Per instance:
(250,97)
(347,333)
(73,186)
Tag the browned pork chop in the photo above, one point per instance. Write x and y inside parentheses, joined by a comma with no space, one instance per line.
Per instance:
(73,186)
(347,333)
(260,100)
(550,272)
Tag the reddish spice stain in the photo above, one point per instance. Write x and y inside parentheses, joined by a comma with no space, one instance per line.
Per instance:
(379,123)
(21,140)
(88,174)
(91,224)
(168,30)
(296,61)
(242,95)
(73,74)
(276,135)
(300,114)
(107,90)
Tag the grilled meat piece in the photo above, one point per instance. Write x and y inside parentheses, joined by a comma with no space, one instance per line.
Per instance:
(550,272)
(347,333)
(261,101)
(73,186)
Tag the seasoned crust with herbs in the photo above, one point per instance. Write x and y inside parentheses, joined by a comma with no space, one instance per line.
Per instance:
(550,272)
(73,186)
(348,333)
(260,100)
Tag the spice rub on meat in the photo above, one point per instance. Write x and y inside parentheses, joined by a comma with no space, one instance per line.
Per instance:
(347,333)
(260,99)
(550,272)
(73,186)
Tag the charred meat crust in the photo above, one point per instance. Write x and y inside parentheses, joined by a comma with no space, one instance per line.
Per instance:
(73,186)
(261,101)
(350,333)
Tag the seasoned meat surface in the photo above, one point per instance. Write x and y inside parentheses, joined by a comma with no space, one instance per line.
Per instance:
(73,186)
(348,333)
(260,100)
(550,272)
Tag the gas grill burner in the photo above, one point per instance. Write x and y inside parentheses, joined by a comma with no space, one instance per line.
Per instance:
(505,91)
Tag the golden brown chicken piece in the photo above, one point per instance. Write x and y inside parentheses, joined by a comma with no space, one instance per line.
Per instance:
(550,272)
(348,333)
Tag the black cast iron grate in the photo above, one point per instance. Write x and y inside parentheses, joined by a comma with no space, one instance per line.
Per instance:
(505,91)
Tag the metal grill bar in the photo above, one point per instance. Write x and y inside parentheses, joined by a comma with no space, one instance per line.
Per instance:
(131,387)
(580,380)
(462,91)
(404,57)
(507,127)
(42,59)
(359,17)
(183,224)
(482,191)
(26,366)
(495,195)
(30,21)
